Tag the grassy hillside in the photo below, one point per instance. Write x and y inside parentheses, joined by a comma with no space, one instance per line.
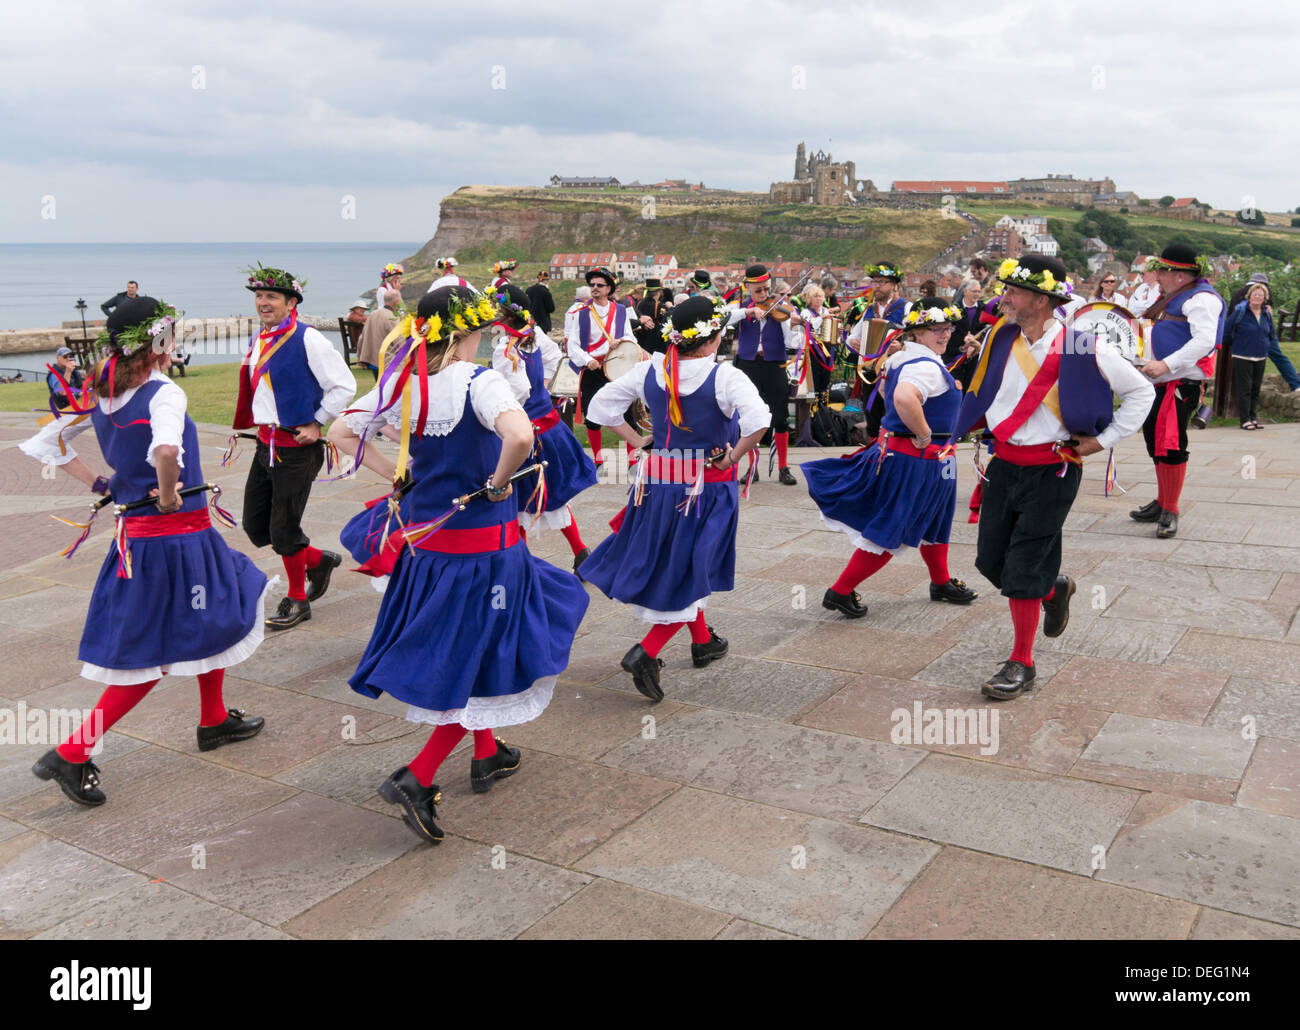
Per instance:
(743,228)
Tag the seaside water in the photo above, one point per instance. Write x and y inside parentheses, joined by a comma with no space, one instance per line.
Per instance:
(40,283)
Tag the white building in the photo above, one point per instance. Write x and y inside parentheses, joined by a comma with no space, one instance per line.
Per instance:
(1045,245)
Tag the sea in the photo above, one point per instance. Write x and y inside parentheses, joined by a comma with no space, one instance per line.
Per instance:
(40,284)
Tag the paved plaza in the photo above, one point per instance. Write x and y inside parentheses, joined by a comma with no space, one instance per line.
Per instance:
(1149,788)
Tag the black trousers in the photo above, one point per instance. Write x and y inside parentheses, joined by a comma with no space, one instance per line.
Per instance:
(1024,508)
(773,386)
(276,497)
(821,377)
(589,385)
(1248,377)
(1187,398)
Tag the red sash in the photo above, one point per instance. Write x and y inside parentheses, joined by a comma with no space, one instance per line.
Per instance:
(904,445)
(138,527)
(1035,454)
(248,384)
(1033,397)
(547,421)
(472,541)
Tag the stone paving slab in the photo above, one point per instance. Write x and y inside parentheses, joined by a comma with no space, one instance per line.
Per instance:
(773,799)
(451,891)
(614,911)
(44,881)
(308,848)
(1174,758)
(1046,820)
(824,774)
(793,872)
(158,911)
(963,894)
(1229,858)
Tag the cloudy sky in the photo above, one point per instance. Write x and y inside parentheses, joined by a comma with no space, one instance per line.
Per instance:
(191,121)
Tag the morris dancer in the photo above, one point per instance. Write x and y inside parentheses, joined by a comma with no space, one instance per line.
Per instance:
(665,559)
(291,383)
(171,597)
(449,277)
(1048,401)
(901,491)
(390,281)
(761,344)
(591,331)
(502,271)
(473,629)
(1188,328)
(528,358)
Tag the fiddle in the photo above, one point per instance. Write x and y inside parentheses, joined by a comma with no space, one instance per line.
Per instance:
(779,309)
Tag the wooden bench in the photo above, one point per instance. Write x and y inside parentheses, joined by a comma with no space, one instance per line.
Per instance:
(350,334)
(1288,325)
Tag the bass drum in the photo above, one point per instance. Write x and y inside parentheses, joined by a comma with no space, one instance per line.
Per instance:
(1114,324)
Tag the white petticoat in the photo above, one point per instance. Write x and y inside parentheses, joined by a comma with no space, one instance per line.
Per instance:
(486,713)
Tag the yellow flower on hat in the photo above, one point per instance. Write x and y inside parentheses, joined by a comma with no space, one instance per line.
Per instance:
(485,308)
(1048,281)
(459,322)
(1007,267)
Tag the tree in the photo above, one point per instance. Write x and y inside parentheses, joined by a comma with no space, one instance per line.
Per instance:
(1295,223)
(1166,200)
(1251,217)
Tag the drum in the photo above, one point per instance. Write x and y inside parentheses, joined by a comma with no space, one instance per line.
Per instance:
(1113,324)
(622,359)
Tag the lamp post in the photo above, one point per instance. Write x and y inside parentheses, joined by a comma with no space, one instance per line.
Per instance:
(81,308)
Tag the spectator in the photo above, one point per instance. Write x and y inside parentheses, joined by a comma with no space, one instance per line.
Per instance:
(540,301)
(1280,360)
(829,286)
(378,326)
(1251,334)
(66,365)
(979,271)
(966,334)
(1106,290)
(357,313)
(1145,295)
(132,288)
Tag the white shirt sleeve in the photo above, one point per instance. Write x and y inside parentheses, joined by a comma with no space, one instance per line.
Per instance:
(361,412)
(735,314)
(331,372)
(1135,391)
(516,377)
(551,355)
(1202,313)
(44,445)
(607,408)
(489,395)
(926,376)
(167,421)
(737,392)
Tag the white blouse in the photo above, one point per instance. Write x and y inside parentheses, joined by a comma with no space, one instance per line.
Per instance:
(166,422)
(734,391)
(926,376)
(489,395)
(518,377)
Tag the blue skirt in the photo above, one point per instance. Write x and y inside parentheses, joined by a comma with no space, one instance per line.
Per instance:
(911,501)
(190,598)
(664,562)
(361,535)
(569,470)
(472,638)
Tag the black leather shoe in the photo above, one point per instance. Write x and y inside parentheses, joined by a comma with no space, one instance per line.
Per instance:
(1168,525)
(787,477)
(402,788)
(954,592)
(289,614)
(1056,612)
(850,604)
(482,771)
(1012,680)
(702,654)
(80,782)
(645,672)
(236,727)
(318,579)
(581,557)
(1146,513)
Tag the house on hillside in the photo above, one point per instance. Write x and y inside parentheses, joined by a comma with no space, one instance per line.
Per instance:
(573,266)
(1045,245)
(1004,242)
(957,187)
(583,182)
(1186,209)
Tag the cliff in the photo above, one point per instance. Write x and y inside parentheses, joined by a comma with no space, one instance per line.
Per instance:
(480,224)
